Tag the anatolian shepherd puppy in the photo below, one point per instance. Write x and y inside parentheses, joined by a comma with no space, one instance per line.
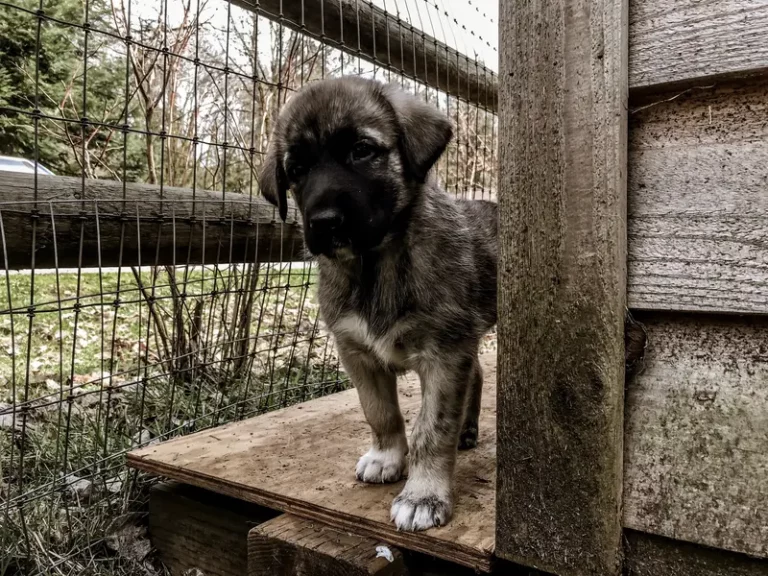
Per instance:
(407,272)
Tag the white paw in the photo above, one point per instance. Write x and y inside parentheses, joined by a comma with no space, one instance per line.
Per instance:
(419,508)
(379,466)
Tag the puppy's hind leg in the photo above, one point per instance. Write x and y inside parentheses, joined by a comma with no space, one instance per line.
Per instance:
(427,498)
(470,428)
(377,390)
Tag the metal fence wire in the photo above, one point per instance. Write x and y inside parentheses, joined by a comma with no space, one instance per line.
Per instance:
(147,291)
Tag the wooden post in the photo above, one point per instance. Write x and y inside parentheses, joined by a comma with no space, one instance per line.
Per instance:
(288,545)
(562,283)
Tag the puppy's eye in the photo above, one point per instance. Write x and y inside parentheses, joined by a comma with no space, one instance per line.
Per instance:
(362,151)
(296,171)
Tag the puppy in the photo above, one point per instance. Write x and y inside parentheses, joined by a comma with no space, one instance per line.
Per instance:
(407,273)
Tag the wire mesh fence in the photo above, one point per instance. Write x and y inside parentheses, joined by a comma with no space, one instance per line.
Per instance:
(147,291)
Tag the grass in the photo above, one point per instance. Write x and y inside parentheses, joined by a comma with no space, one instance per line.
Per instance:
(92,365)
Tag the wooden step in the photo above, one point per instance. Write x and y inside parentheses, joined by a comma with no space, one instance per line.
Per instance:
(301,460)
(197,532)
(288,545)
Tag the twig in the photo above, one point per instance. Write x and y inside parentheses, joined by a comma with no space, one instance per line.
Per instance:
(671,98)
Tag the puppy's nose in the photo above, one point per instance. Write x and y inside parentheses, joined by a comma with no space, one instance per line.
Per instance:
(325,222)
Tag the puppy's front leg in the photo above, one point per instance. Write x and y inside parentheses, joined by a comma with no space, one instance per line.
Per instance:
(427,499)
(377,388)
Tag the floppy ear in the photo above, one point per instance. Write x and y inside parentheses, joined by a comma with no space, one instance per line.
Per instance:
(273,182)
(425,131)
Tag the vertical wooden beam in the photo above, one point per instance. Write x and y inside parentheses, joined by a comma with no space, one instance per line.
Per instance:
(562,283)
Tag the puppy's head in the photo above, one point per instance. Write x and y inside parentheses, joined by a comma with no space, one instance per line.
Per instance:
(354,153)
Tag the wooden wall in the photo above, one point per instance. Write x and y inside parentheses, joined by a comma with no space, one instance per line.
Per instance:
(695,440)
(696,414)
(698,200)
(696,451)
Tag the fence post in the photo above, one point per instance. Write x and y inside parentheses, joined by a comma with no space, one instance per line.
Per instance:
(562,283)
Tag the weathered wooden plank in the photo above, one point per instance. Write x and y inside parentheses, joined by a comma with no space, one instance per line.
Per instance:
(683,42)
(698,202)
(377,35)
(562,284)
(696,446)
(301,460)
(648,555)
(288,545)
(196,529)
(136,224)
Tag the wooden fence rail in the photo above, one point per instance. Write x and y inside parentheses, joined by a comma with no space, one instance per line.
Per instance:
(65,222)
(362,29)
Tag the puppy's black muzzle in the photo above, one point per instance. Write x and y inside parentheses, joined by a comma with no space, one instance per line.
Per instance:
(326,231)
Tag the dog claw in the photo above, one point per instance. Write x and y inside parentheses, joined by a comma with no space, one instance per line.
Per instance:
(380,466)
(414,514)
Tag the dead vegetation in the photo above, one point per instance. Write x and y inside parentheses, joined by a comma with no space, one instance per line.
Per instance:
(83,380)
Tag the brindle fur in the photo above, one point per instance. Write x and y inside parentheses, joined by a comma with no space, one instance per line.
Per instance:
(413,288)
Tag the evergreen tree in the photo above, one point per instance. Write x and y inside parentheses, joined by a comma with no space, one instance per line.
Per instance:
(51,74)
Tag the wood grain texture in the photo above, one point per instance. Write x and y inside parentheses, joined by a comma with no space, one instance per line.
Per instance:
(291,546)
(301,460)
(680,42)
(192,529)
(698,202)
(562,274)
(139,224)
(363,29)
(696,460)
(648,555)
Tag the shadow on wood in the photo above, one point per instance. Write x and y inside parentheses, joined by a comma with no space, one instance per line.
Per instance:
(196,529)
(648,555)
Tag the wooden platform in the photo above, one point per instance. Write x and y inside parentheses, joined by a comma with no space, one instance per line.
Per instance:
(302,459)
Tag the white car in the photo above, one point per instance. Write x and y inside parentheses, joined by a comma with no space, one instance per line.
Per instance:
(11,164)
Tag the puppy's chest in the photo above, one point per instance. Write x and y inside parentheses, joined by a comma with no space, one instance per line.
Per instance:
(396,346)
(375,310)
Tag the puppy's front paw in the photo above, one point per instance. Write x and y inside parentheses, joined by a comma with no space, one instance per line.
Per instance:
(412,511)
(380,466)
